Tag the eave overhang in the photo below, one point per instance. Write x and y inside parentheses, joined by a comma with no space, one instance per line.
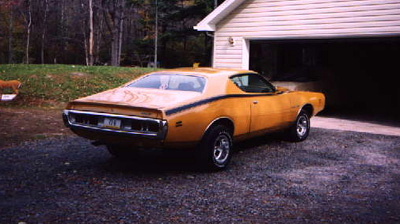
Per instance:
(223,10)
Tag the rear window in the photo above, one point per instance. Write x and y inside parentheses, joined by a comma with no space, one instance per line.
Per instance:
(171,82)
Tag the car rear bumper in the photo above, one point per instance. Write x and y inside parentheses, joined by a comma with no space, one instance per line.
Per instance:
(92,125)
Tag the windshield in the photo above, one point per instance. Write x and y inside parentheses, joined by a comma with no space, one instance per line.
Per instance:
(171,82)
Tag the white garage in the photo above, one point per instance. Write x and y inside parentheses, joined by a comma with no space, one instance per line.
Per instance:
(348,49)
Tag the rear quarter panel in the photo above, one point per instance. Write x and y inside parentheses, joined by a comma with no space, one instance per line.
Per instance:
(190,125)
(301,98)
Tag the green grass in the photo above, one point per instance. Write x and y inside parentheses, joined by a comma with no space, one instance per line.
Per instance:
(62,83)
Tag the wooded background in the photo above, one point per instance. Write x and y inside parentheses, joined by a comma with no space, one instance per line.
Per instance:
(104,32)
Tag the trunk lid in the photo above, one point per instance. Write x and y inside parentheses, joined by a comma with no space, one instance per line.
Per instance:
(133,101)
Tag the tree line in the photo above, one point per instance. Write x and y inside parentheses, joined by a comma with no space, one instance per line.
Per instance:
(104,32)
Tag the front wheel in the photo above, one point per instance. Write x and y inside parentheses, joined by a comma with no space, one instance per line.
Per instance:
(300,130)
(215,150)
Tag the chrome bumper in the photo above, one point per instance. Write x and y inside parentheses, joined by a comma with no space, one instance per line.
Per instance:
(128,125)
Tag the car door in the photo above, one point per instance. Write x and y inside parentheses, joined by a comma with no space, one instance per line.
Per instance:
(270,108)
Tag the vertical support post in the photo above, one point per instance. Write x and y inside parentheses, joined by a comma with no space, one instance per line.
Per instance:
(245,54)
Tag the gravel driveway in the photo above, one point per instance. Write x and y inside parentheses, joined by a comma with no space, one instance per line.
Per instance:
(333,177)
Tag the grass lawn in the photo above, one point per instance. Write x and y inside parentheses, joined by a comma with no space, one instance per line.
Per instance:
(52,84)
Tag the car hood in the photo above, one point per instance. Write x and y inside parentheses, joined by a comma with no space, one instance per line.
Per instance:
(141,97)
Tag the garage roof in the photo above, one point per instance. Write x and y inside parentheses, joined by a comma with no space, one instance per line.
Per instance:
(208,23)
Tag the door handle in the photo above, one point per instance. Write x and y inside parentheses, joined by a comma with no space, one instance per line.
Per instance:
(255,102)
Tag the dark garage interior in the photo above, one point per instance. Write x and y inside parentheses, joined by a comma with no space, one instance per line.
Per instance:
(358,76)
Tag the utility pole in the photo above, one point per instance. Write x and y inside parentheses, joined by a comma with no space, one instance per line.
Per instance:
(156,38)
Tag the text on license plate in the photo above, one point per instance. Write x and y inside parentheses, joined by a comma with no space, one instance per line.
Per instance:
(112,123)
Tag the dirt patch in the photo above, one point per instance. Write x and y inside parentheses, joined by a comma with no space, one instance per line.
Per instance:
(19,125)
(77,75)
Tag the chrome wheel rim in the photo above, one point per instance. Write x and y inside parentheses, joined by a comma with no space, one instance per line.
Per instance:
(302,126)
(221,149)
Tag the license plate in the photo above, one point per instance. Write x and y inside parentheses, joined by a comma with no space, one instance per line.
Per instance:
(112,123)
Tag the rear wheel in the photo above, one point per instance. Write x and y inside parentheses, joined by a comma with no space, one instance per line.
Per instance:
(300,130)
(215,150)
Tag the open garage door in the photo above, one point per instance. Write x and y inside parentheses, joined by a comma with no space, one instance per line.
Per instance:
(357,75)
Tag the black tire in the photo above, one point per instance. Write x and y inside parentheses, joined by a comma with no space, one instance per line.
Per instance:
(215,150)
(300,130)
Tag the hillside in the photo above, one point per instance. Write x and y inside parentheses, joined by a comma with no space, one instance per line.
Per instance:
(53,84)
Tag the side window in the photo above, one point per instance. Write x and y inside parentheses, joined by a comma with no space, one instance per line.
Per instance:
(253,83)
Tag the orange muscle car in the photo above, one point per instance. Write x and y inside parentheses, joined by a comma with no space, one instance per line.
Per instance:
(205,109)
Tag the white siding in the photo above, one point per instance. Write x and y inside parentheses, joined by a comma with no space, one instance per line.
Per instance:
(278,19)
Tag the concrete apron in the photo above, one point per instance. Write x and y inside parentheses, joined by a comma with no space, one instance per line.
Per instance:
(351,125)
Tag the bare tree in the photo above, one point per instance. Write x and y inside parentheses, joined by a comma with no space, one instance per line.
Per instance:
(44,29)
(114,15)
(11,36)
(91,33)
(28,20)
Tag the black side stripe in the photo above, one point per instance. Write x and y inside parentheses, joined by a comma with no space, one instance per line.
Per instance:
(212,99)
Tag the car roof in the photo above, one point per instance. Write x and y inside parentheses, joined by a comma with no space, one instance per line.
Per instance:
(207,71)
